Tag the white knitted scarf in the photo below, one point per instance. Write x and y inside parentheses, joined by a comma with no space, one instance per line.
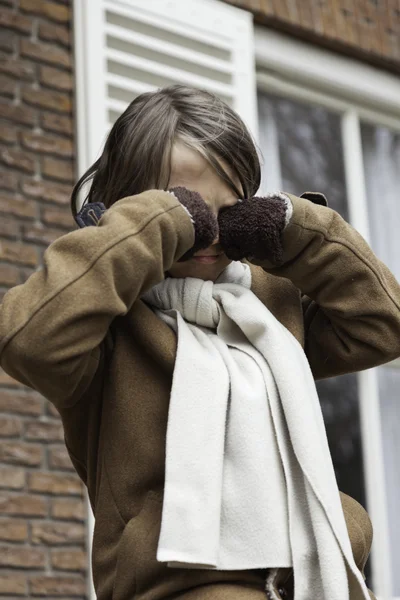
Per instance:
(249,479)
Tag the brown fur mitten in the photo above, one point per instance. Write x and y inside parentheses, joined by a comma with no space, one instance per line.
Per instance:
(204,221)
(253,228)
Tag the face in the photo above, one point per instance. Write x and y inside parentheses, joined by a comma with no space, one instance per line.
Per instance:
(191,170)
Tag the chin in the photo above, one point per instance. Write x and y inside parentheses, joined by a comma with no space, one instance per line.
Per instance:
(191,268)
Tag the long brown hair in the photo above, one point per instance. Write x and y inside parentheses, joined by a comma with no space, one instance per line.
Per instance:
(137,151)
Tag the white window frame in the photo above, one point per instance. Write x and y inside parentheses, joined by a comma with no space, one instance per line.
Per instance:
(356,91)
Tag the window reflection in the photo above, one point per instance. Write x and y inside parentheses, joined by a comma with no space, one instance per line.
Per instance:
(310,149)
(310,158)
(339,400)
(381,152)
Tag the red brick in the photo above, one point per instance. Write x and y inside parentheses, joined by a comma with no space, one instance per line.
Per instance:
(55,33)
(18,453)
(59,458)
(52,533)
(15,21)
(50,10)
(47,53)
(13,530)
(25,273)
(44,586)
(17,206)
(51,410)
(13,585)
(56,101)
(19,114)
(8,134)
(19,253)
(45,431)
(9,276)
(8,180)
(55,78)
(7,41)
(21,557)
(8,86)
(50,483)
(15,159)
(69,560)
(55,216)
(47,191)
(10,426)
(9,228)
(61,170)
(22,505)
(282,10)
(68,509)
(344,23)
(6,380)
(47,144)
(16,68)
(57,123)
(40,234)
(21,404)
(12,478)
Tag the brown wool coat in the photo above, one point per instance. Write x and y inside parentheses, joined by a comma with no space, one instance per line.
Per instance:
(78,333)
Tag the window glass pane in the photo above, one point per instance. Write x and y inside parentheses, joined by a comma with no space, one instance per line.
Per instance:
(389,392)
(310,148)
(302,150)
(381,153)
(339,397)
(381,148)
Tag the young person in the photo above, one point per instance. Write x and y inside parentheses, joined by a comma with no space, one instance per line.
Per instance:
(179,337)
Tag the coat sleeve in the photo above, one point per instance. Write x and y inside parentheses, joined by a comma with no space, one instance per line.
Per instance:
(53,325)
(351,300)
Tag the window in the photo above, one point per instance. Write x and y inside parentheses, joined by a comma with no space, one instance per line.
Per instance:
(323,128)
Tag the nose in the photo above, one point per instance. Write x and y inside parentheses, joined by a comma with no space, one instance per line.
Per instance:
(216,244)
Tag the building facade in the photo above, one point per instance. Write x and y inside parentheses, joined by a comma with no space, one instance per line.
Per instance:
(317,83)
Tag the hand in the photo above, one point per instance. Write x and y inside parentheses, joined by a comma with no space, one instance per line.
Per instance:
(253,228)
(204,221)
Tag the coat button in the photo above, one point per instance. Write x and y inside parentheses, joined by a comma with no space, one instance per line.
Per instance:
(283,593)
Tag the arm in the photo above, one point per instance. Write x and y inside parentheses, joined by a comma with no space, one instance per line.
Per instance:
(351,299)
(52,326)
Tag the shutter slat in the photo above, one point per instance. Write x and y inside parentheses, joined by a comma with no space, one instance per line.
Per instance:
(166,72)
(130,85)
(222,42)
(116,105)
(169,49)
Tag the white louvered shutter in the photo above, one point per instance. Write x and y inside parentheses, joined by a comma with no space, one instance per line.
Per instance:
(125,48)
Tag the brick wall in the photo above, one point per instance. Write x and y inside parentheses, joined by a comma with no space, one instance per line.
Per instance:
(42,509)
(367,29)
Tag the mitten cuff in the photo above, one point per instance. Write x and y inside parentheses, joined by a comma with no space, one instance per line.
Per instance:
(287,202)
(90,214)
(204,222)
